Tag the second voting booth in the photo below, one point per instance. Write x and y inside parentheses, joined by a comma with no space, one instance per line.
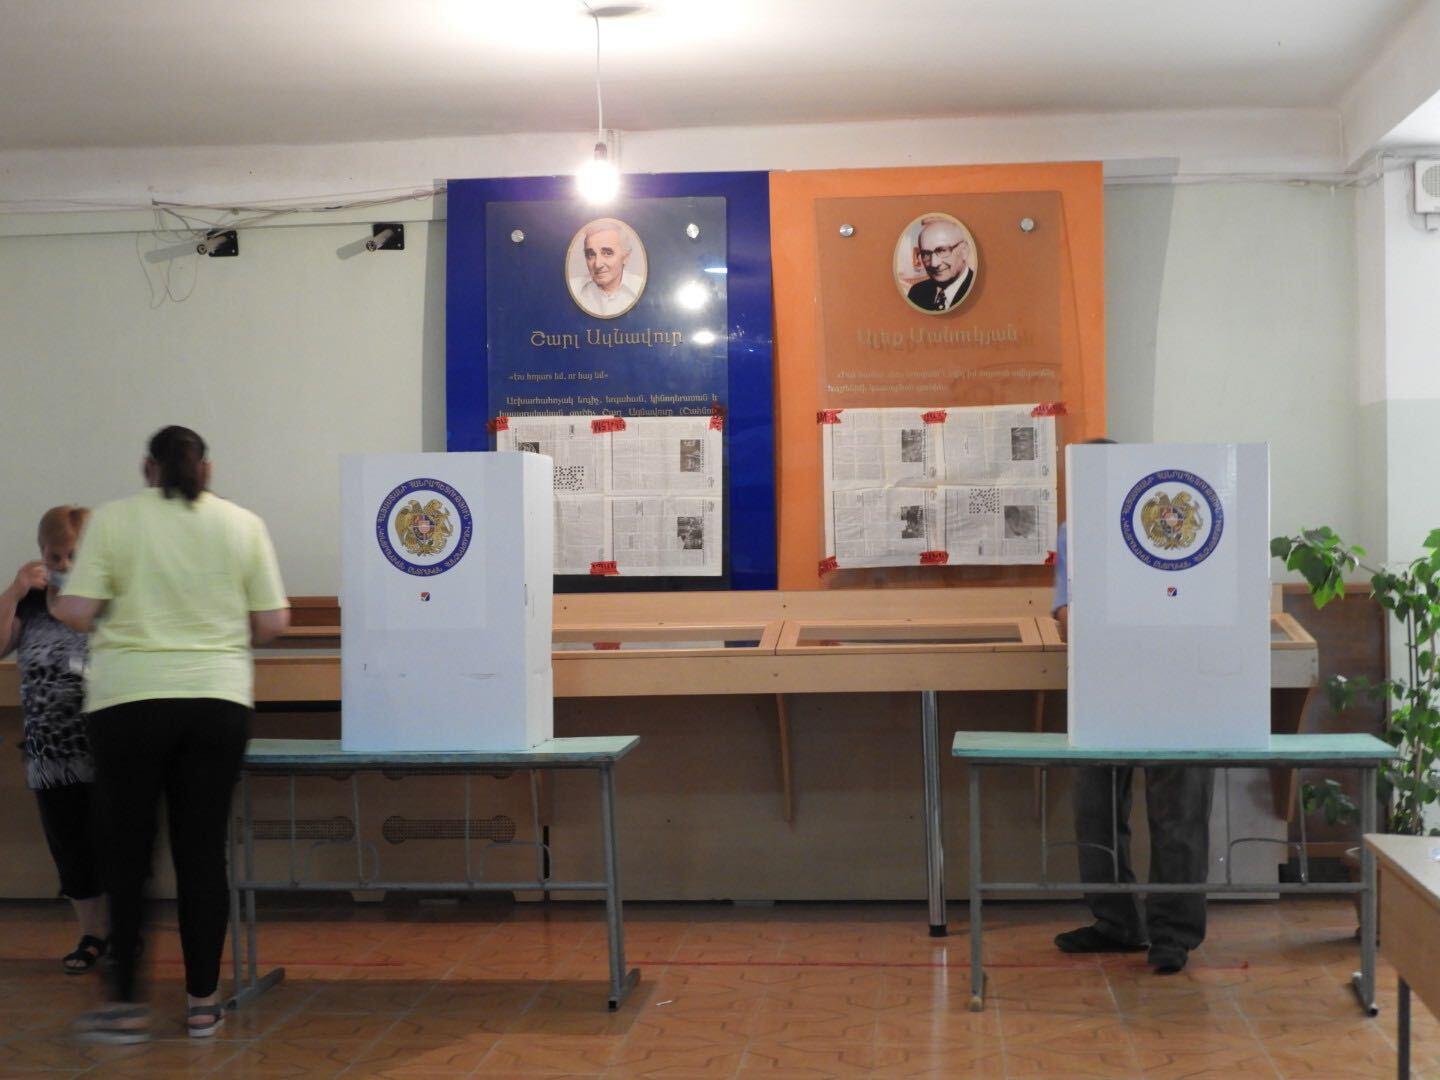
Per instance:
(447,565)
(1169,600)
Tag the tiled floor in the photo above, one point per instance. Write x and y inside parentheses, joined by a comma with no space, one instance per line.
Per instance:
(802,991)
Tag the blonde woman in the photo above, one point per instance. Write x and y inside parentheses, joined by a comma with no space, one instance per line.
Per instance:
(58,766)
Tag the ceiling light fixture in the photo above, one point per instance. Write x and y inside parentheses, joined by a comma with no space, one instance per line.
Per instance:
(598,180)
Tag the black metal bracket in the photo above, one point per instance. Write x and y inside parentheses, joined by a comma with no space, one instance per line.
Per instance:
(221,244)
(386,236)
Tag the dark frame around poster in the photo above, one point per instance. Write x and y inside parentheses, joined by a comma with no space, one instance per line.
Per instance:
(750,511)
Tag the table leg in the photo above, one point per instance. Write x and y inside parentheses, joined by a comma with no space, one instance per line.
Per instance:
(234,907)
(254,984)
(1402,1034)
(977,971)
(934,837)
(621,981)
(1363,981)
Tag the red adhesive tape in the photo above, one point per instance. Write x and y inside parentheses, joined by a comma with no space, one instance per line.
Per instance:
(828,416)
(604,569)
(607,424)
(1050,408)
(1050,559)
(500,423)
(934,558)
(828,564)
(934,416)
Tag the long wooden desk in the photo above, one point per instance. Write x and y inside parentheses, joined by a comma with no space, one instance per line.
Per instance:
(1409,868)
(798,643)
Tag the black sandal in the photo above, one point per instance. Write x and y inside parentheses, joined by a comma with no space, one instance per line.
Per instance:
(86,955)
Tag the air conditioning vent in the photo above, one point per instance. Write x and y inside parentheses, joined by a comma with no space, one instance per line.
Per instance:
(1427,187)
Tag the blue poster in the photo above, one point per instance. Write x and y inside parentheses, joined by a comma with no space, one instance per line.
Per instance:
(657,305)
(623,313)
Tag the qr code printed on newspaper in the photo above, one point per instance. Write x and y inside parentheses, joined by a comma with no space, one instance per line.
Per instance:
(569,477)
(984,501)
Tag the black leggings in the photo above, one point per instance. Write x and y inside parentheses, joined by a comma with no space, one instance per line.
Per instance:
(188,750)
(67,814)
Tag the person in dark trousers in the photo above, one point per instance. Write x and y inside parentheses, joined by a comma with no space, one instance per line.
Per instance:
(177,585)
(1177,803)
(58,766)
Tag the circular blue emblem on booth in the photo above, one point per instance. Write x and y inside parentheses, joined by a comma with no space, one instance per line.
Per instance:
(423,527)
(1172,520)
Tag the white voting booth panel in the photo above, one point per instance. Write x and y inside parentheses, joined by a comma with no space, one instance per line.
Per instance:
(446,601)
(1169,595)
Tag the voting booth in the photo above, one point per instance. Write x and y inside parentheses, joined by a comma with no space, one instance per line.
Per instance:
(446,601)
(1168,569)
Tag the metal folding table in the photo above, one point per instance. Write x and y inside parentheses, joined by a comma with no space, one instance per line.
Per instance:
(290,758)
(1365,753)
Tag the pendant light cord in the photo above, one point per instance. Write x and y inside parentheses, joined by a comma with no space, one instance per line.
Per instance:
(599,102)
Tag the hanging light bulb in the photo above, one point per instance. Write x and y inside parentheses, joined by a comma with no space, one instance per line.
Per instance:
(598,180)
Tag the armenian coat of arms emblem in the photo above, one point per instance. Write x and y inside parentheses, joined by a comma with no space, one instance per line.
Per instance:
(423,527)
(423,530)
(1172,520)
(1171,523)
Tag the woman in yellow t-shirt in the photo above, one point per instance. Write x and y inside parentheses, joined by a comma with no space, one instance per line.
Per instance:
(176,586)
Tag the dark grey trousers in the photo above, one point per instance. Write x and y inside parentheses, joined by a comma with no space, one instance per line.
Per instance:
(1177,802)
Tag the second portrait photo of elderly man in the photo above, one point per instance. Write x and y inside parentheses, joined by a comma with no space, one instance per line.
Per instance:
(605,267)
(935,263)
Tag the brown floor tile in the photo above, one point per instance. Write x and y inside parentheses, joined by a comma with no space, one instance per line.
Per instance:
(424,1055)
(303,1057)
(674,1057)
(544,1054)
(785,1060)
(982,1062)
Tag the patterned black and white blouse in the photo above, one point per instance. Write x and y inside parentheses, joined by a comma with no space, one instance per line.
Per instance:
(51,658)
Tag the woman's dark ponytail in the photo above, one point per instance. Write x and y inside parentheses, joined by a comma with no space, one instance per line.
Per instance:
(179,456)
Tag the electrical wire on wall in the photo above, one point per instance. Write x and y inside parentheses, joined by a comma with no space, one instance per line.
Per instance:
(172,260)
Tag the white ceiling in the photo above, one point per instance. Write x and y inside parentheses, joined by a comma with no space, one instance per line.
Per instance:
(157,73)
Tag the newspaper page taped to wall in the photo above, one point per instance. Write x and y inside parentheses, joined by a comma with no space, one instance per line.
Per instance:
(939,486)
(642,496)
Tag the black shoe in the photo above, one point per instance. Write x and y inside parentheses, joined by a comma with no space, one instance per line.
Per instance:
(1168,959)
(1090,940)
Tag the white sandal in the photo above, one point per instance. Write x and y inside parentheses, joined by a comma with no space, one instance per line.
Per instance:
(214,1012)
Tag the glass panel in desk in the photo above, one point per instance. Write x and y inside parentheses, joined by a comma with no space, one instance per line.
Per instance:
(668,638)
(913,634)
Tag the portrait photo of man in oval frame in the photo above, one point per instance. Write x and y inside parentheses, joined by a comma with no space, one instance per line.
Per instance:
(936,264)
(606,268)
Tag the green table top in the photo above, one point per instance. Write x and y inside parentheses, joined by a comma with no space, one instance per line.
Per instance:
(1053,748)
(282,754)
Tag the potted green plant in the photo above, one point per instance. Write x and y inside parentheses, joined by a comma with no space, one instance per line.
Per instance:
(1412,597)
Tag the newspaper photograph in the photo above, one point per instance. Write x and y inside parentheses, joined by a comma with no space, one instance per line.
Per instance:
(582,532)
(998,445)
(666,454)
(882,526)
(580,457)
(666,535)
(870,448)
(999,524)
